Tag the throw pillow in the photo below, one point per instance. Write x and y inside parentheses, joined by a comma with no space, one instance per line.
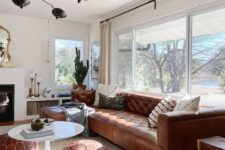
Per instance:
(191,104)
(117,103)
(100,89)
(108,90)
(167,104)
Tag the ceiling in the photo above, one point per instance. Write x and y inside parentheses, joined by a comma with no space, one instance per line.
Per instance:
(86,11)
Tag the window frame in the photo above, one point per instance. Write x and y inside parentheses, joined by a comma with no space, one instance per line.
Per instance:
(188,14)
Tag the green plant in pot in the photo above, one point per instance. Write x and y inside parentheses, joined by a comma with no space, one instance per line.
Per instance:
(81,71)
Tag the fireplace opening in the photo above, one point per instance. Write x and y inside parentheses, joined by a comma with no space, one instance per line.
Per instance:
(7,102)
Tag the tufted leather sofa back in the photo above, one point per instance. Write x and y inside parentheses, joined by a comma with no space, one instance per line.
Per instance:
(141,104)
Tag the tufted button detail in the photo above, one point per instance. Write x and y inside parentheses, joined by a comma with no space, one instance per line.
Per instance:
(140,104)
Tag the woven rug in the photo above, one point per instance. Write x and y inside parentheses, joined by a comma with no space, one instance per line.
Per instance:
(59,145)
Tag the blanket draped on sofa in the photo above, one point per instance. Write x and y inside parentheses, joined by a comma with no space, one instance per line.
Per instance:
(78,112)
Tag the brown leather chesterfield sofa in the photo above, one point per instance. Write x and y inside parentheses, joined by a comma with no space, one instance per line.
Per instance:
(129,129)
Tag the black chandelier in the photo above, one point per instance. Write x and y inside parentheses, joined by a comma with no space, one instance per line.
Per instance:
(57,12)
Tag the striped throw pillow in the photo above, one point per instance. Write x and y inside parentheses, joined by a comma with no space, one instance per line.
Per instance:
(191,104)
(167,104)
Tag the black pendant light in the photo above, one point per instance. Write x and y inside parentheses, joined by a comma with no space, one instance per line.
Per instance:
(57,12)
(78,1)
(21,3)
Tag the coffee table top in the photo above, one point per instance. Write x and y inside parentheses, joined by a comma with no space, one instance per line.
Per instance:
(62,130)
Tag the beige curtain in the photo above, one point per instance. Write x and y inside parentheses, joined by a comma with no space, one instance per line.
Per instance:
(105,64)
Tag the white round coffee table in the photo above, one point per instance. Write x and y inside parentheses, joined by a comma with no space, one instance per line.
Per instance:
(62,130)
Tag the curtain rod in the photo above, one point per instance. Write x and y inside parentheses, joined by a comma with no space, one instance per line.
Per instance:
(131,10)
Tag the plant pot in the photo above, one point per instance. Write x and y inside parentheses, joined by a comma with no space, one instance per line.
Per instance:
(82,87)
(75,86)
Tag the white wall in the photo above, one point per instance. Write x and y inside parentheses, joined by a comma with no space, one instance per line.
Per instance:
(29,47)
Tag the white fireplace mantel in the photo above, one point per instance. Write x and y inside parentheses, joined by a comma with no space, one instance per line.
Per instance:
(16,76)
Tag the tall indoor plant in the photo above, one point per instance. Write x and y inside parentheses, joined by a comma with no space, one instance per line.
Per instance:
(81,71)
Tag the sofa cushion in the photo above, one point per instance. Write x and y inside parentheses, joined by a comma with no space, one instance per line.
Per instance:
(130,122)
(191,104)
(117,102)
(55,112)
(165,105)
(108,90)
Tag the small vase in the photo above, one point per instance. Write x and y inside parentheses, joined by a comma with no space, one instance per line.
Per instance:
(37,125)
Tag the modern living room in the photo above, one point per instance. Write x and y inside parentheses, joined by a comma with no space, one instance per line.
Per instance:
(112,75)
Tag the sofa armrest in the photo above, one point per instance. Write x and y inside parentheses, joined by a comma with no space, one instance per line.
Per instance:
(180,130)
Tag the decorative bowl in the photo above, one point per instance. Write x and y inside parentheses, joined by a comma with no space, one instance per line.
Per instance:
(37,125)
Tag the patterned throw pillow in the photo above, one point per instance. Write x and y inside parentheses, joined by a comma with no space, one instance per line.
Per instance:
(117,103)
(191,104)
(108,90)
(167,104)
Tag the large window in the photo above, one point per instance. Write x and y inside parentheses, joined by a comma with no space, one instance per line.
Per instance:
(156,58)
(208,56)
(64,60)
(124,70)
(160,57)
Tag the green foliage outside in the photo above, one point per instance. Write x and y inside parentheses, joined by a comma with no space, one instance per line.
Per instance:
(64,67)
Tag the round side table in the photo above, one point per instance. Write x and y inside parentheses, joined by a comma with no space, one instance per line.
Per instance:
(62,130)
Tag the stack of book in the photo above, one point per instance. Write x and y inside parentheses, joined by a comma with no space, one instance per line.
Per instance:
(31,134)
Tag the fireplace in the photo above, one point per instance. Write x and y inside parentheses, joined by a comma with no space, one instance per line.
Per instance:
(7,102)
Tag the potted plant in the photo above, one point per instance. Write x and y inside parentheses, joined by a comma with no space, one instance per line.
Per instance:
(80,72)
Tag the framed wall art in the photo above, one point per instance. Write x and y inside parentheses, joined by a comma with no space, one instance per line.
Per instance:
(95,54)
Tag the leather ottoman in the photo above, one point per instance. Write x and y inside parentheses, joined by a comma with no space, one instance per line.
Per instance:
(86,145)
(7,143)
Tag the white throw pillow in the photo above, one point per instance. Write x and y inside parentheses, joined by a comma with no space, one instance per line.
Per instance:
(167,104)
(107,90)
(191,104)
(112,90)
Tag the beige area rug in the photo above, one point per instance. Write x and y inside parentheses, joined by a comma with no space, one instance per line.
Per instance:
(59,145)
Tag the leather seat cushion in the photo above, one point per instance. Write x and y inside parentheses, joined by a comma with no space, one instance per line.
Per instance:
(132,123)
(55,112)
(7,143)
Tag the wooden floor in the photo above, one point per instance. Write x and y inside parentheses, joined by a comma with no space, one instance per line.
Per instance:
(14,122)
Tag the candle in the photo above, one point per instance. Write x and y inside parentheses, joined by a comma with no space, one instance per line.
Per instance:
(39,79)
(32,75)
